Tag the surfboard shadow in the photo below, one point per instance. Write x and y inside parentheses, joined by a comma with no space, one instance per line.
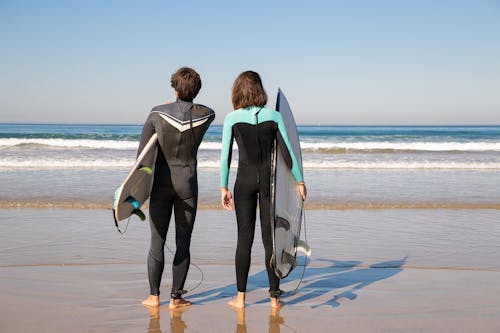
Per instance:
(321,286)
(341,280)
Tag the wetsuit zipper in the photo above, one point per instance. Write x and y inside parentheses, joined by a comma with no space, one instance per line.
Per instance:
(190,110)
(259,152)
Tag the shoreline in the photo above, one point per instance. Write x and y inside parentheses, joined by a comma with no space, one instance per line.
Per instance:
(89,205)
(312,265)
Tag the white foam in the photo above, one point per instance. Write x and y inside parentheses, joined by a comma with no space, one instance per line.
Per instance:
(71,163)
(405,146)
(439,165)
(71,143)
(359,146)
(13,163)
(93,144)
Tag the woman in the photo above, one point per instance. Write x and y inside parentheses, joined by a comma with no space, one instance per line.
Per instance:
(255,129)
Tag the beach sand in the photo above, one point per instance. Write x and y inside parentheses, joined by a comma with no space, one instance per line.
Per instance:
(371,271)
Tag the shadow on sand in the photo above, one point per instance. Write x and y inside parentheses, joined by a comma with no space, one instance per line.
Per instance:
(321,286)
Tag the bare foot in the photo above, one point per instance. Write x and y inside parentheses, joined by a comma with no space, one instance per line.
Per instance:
(178,303)
(152,300)
(239,301)
(276,304)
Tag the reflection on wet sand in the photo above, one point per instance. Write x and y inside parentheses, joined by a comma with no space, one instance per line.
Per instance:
(177,325)
(275,320)
(154,319)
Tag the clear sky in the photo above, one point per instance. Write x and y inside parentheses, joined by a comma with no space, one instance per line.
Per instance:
(338,62)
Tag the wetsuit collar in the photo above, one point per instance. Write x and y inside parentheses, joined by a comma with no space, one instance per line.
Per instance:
(254,109)
(188,104)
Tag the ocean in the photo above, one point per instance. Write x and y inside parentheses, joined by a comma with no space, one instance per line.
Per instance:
(346,167)
(402,222)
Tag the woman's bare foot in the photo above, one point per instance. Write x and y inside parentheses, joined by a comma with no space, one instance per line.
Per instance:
(176,303)
(152,300)
(276,304)
(239,301)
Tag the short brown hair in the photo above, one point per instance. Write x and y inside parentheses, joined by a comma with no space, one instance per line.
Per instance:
(186,82)
(248,91)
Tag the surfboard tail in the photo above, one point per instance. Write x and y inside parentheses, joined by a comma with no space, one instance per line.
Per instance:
(304,248)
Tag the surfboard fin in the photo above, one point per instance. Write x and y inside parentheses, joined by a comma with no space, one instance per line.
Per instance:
(304,248)
(287,258)
(146,169)
(281,223)
(136,205)
(139,213)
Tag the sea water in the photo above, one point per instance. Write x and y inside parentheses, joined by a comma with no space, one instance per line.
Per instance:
(444,180)
(344,166)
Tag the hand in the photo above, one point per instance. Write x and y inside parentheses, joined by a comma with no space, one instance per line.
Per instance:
(226,199)
(302,190)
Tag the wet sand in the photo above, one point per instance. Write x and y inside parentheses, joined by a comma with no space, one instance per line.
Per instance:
(371,271)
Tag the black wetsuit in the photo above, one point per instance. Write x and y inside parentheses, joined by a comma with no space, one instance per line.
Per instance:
(255,130)
(180,127)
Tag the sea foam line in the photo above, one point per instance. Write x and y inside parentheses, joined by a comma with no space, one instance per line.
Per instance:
(325,147)
(66,203)
(125,163)
(85,143)
(70,143)
(401,146)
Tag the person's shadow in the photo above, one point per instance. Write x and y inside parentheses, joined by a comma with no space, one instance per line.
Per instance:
(330,281)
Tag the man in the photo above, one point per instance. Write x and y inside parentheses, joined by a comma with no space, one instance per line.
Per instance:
(180,127)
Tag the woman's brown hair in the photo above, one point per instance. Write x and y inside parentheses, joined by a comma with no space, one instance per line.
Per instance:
(187,83)
(248,91)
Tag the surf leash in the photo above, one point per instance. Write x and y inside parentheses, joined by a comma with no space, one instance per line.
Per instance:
(196,266)
(137,211)
(126,226)
(294,291)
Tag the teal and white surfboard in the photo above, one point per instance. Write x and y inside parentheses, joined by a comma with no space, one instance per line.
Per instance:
(136,188)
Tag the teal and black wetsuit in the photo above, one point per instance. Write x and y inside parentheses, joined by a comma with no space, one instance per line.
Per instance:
(255,129)
(180,127)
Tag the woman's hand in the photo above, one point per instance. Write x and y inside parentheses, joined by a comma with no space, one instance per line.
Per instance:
(226,198)
(301,189)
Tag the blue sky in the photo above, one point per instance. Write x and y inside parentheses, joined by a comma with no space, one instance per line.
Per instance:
(338,62)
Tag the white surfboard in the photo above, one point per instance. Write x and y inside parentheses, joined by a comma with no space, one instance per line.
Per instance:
(286,201)
(136,188)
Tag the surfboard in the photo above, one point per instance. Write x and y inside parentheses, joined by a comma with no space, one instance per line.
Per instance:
(136,188)
(287,204)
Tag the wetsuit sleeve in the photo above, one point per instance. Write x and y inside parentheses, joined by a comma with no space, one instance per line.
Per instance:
(296,172)
(226,151)
(147,132)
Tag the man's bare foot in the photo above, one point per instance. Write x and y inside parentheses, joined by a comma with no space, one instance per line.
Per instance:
(276,304)
(239,301)
(152,300)
(178,303)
